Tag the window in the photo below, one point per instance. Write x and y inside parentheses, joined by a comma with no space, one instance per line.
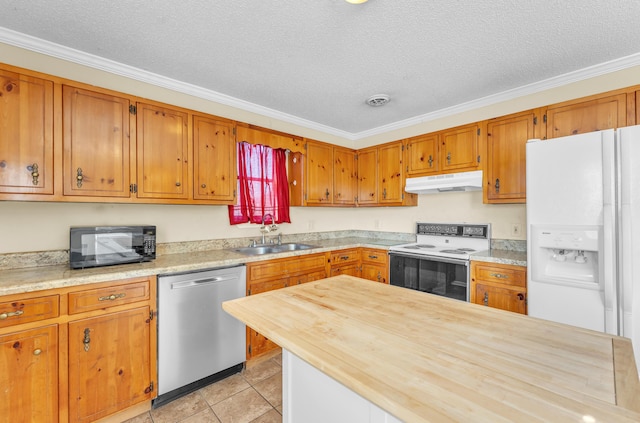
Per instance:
(263,187)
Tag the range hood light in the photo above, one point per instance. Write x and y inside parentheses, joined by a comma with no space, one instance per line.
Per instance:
(450,182)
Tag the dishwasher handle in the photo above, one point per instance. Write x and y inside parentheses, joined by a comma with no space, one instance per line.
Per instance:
(200,282)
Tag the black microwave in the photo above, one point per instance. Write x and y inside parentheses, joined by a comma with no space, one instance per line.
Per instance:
(94,246)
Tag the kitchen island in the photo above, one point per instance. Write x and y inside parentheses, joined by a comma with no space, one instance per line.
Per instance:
(416,357)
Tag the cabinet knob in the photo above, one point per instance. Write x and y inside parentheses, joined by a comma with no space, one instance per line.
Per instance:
(520,296)
(34,173)
(79,177)
(430,160)
(37,351)
(449,158)
(486,299)
(87,339)
(178,184)
(203,185)
(497,185)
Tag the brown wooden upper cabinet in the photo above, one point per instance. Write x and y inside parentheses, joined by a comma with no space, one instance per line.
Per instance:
(344,176)
(163,152)
(391,176)
(26,134)
(331,175)
(422,155)
(505,176)
(319,173)
(459,148)
(214,165)
(593,113)
(367,189)
(97,146)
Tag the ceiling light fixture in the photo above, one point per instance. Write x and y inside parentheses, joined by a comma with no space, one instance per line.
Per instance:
(356,1)
(378,100)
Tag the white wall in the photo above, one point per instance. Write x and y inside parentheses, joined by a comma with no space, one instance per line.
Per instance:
(27,226)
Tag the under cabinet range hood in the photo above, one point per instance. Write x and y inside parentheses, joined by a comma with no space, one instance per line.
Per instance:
(450,182)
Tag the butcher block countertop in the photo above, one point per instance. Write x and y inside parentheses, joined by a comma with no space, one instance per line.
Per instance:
(425,358)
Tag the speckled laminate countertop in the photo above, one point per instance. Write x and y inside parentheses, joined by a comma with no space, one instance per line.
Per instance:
(58,276)
(517,258)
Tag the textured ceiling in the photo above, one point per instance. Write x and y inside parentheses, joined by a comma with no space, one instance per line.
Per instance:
(319,60)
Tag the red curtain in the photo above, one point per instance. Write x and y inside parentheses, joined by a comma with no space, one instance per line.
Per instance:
(263,187)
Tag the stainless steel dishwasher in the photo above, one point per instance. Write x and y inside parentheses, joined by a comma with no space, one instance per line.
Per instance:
(198,342)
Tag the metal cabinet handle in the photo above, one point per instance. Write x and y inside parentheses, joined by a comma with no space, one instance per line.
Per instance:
(4,316)
(486,299)
(497,185)
(379,276)
(449,158)
(373,257)
(499,275)
(112,297)
(79,177)
(384,193)
(34,173)
(87,339)
(326,194)
(430,160)
(203,185)
(178,184)
(37,351)
(344,257)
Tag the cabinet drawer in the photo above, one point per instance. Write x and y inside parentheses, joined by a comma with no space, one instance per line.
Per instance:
(266,269)
(305,264)
(257,288)
(28,310)
(109,296)
(504,274)
(345,256)
(371,255)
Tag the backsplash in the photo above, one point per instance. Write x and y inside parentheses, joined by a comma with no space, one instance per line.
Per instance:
(59,257)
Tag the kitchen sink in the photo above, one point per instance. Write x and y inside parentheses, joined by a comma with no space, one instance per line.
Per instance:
(272,248)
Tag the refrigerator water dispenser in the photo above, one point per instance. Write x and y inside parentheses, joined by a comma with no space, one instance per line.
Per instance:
(566,255)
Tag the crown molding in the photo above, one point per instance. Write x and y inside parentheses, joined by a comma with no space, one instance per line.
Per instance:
(58,51)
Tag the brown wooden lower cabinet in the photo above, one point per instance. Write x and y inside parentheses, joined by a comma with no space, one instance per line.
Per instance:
(29,375)
(275,274)
(502,286)
(64,363)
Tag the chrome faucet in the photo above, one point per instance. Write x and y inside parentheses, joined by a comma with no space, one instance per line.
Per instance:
(265,229)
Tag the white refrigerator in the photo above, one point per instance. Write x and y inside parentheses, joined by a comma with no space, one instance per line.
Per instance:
(583,231)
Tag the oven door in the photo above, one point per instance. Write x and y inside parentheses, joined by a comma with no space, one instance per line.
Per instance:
(436,275)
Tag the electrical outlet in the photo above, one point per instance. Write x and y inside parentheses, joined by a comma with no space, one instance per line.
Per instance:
(516,229)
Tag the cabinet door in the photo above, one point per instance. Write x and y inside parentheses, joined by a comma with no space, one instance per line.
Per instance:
(258,344)
(163,152)
(391,177)
(375,272)
(504,298)
(215,167)
(587,116)
(344,176)
(319,173)
(109,363)
(459,148)
(29,376)
(26,134)
(506,160)
(367,176)
(422,155)
(96,131)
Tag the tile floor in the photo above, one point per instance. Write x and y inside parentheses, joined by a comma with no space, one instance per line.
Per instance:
(252,396)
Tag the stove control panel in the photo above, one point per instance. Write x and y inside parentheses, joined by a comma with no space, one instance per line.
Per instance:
(448,229)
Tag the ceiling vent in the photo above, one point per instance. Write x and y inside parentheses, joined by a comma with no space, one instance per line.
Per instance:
(378,100)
